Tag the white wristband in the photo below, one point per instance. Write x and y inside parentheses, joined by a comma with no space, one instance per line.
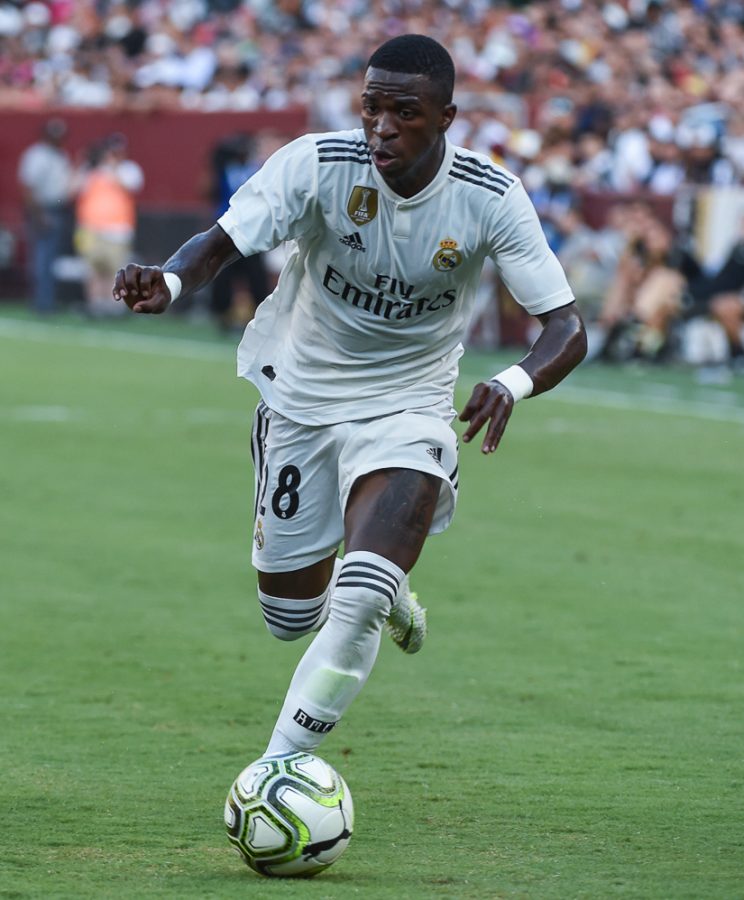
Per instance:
(516,381)
(173,283)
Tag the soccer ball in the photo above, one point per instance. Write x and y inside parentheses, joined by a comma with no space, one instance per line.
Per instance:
(289,815)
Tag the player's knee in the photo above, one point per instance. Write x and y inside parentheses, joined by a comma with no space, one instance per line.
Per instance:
(289,620)
(365,592)
(360,606)
(280,632)
(361,601)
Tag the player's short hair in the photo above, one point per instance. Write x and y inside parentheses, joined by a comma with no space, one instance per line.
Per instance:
(417,54)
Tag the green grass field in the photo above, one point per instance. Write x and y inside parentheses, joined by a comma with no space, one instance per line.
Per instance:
(572,729)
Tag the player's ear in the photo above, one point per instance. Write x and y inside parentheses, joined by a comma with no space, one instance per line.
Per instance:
(448,114)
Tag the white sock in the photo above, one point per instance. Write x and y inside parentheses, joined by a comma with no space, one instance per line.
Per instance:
(338,662)
(292,619)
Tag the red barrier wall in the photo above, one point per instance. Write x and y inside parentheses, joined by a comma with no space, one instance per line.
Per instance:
(173,148)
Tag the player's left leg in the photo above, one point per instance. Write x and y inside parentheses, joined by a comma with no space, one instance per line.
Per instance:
(296,602)
(388,515)
(299,524)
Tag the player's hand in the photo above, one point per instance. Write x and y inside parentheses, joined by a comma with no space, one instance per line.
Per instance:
(491,401)
(142,288)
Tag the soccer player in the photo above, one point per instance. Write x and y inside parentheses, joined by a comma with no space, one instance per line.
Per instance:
(355,355)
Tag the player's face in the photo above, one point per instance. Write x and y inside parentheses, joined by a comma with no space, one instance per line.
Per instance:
(404,123)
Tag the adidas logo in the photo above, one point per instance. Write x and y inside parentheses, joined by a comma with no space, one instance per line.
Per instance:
(354,241)
(436,452)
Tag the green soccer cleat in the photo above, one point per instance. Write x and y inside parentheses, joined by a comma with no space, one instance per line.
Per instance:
(406,623)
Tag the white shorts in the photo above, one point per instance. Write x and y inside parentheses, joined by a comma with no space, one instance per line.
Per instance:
(304,474)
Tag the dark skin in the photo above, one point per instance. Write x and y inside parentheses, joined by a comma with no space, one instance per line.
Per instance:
(389,511)
(404,121)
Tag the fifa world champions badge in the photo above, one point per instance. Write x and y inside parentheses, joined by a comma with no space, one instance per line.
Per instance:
(362,205)
(448,257)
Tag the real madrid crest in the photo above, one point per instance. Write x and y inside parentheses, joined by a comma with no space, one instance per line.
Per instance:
(362,205)
(448,257)
(258,537)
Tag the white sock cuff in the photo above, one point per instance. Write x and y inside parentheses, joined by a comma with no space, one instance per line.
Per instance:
(361,568)
(292,619)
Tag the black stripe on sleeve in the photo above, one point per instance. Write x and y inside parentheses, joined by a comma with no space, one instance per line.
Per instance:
(471,170)
(361,160)
(343,141)
(483,184)
(485,167)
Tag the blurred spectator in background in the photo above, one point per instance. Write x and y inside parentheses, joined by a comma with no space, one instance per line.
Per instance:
(590,258)
(732,141)
(550,182)
(645,294)
(720,298)
(45,174)
(233,163)
(666,171)
(106,218)
(593,163)
(702,157)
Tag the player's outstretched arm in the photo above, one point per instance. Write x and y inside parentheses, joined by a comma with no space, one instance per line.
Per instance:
(560,347)
(150,289)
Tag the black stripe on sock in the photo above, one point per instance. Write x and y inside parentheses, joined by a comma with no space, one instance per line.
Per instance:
(379,589)
(369,565)
(383,578)
(290,616)
(306,627)
(373,580)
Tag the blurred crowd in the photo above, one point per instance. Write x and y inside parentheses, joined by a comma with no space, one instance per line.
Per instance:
(101,193)
(627,97)
(597,66)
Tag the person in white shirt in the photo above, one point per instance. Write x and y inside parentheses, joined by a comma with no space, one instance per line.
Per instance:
(356,355)
(45,175)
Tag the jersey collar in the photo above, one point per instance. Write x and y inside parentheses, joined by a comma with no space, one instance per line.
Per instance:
(433,187)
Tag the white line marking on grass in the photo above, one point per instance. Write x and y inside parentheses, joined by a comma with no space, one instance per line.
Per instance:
(156,417)
(157,345)
(662,404)
(43,414)
(656,398)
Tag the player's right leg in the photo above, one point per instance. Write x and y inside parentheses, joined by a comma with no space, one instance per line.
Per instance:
(388,517)
(398,483)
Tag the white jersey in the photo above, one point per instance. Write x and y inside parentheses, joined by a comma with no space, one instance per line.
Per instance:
(371,308)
